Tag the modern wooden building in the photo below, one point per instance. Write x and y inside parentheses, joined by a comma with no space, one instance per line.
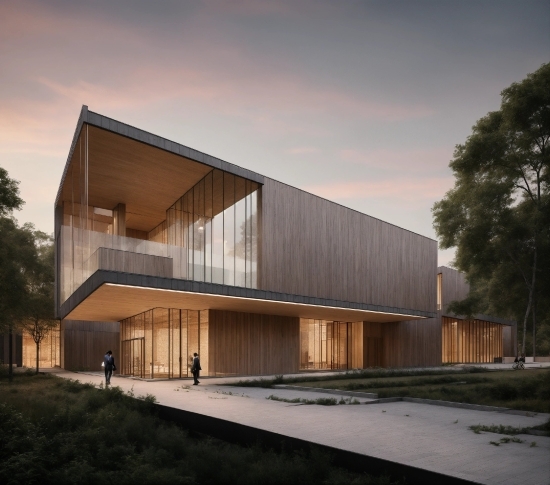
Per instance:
(163,251)
(483,338)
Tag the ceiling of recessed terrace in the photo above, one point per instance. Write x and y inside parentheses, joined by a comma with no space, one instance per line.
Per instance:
(121,170)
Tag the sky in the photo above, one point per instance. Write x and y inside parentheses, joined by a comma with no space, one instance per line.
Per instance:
(360,102)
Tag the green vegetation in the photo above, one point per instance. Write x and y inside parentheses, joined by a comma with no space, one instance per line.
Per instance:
(26,272)
(506,440)
(497,215)
(500,429)
(56,431)
(525,390)
(357,374)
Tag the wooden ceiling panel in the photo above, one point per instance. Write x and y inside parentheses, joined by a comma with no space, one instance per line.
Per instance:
(112,302)
(147,179)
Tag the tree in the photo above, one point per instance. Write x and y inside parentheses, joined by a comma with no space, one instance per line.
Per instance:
(9,194)
(17,259)
(498,213)
(39,319)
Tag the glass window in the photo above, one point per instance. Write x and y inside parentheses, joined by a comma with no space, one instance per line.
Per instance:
(228,229)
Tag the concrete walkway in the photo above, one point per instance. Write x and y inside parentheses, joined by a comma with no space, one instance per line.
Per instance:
(431,437)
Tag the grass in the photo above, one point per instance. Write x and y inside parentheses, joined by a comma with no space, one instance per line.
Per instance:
(322,401)
(500,429)
(527,390)
(355,375)
(56,431)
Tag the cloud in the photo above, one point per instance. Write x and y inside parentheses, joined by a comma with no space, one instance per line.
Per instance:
(409,159)
(403,190)
(302,150)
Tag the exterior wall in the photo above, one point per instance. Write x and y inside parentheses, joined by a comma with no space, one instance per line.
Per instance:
(252,344)
(17,342)
(412,344)
(509,344)
(83,344)
(338,253)
(454,286)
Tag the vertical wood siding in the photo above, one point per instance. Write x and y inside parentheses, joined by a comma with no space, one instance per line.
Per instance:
(409,344)
(252,344)
(454,286)
(83,344)
(314,247)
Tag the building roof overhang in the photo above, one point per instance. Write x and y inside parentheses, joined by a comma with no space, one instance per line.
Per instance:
(112,296)
(127,165)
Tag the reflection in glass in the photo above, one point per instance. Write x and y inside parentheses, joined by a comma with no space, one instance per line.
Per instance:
(160,343)
(324,344)
(470,341)
(209,234)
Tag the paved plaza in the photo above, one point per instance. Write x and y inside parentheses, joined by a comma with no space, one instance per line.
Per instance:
(431,437)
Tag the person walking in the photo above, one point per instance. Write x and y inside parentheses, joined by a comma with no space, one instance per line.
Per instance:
(109,364)
(196,368)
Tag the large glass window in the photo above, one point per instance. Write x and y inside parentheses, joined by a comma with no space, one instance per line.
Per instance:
(209,234)
(470,341)
(160,343)
(324,344)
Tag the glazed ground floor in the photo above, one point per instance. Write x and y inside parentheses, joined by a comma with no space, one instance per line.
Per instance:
(160,343)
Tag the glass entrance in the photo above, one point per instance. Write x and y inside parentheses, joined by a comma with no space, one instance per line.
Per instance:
(133,352)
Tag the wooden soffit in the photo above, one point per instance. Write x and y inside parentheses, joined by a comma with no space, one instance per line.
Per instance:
(122,170)
(113,302)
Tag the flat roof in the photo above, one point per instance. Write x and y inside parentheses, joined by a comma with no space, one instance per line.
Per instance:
(114,296)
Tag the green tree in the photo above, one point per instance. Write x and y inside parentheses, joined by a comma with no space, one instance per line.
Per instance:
(498,213)
(9,194)
(17,259)
(39,320)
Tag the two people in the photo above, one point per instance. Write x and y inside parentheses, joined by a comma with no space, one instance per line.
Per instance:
(109,365)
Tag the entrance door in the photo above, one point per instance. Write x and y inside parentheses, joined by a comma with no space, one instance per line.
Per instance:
(133,352)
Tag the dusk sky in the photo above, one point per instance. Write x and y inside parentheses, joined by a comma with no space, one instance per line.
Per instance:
(358,102)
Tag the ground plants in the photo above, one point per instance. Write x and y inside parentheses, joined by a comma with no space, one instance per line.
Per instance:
(527,390)
(354,375)
(63,432)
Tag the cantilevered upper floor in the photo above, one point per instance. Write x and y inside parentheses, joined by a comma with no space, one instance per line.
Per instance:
(142,222)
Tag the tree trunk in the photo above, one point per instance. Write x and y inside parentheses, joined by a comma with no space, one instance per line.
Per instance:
(534,327)
(10,353)
(37,355)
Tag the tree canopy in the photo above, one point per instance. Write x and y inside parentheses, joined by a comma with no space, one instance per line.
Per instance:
(9,194)
(498,213)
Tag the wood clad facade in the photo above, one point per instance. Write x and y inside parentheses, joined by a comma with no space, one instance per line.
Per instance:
(453,286)
(252,344)
(83,344)
(128,262)
(482,339)
(311,246)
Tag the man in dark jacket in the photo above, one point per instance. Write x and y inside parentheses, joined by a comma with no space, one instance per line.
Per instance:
(196,368)
(109,364)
